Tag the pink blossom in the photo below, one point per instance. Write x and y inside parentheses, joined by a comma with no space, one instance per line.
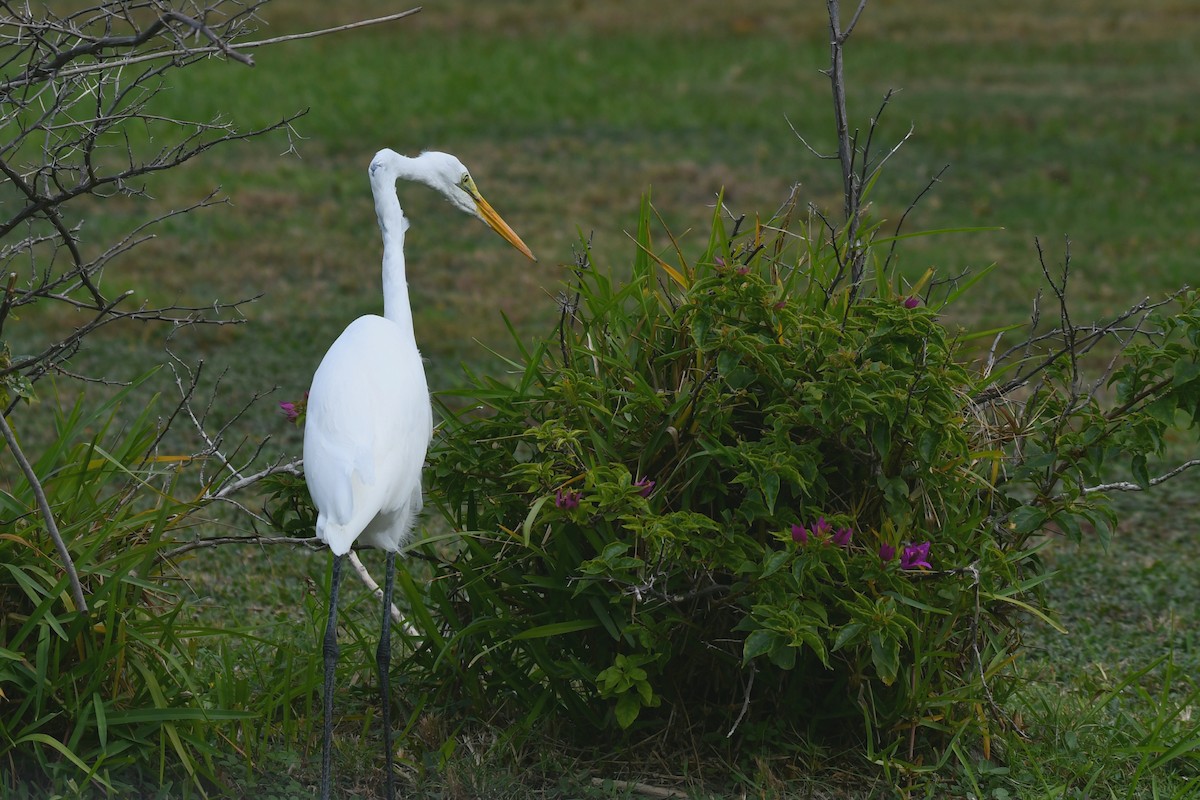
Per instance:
(294,410)
(842,537)
(566,499)
(915,556)
(644,486)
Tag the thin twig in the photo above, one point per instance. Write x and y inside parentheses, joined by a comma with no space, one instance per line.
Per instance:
(745,702)
(310,542)
(293,467)
(375,588)
(208,50)
(1128,486)
(44,504)
(644,789)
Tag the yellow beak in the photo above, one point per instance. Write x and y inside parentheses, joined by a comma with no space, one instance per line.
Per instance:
(500,226)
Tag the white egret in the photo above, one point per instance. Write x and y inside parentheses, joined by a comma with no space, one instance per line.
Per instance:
(369,420)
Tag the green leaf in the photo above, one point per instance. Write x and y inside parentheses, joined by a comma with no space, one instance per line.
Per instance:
(775,562)
(1141,473)
(758,642)
(927,444)
(783,655)
(885,655)
(847,634)
(1184,370)
(557,629)
(101,721)
(1027,519)
(627,710)
(769,484)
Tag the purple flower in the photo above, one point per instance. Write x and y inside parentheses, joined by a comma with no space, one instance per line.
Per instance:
(886,552)
(912,302)
(566,499)
(820,530)
(294,410)
(644,486)
(915,556)
(720,262)
(743,270)
(780,305)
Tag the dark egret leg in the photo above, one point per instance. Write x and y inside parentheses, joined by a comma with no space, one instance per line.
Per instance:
(383,659)
(330,651)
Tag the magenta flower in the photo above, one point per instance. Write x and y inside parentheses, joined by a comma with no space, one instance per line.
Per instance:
(915,556)
(566,499)
(912,302)
(294,410)
(644,486)
(820,530)
(780,305)
(743,270)
(720,262)
(886,552)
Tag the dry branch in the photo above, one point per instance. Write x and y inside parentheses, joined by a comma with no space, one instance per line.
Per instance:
(76,111)
(47,514)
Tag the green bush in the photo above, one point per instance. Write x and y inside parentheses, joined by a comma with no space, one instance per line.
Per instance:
(740,494)
(86,696)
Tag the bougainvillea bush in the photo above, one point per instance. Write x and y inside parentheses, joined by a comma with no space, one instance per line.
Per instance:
(743,495)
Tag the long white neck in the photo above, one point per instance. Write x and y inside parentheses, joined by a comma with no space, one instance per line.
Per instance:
(393,225)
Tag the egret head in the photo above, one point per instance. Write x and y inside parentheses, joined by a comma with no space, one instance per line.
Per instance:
(448,176)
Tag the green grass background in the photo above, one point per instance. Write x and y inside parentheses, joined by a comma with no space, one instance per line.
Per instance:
(1081,119)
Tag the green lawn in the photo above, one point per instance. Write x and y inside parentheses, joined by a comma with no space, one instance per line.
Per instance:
(1079,121)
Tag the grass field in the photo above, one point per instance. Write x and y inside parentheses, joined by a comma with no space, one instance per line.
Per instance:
(1081,120)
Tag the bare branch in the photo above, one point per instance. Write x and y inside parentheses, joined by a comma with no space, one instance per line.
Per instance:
(371,584)
(75,105)
(745,702)
(44,505)
(294,467)
(211,36)
(1127,486)
(205,51)
(310,542)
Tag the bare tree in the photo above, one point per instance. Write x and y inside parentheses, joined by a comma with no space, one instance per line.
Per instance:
(77,121)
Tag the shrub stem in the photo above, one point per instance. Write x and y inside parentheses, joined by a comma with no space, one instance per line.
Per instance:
(44,505)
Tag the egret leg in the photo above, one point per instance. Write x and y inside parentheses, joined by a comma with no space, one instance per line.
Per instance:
(330,651)
(383,659)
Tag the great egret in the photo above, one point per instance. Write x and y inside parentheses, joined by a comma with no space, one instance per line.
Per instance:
(369,420)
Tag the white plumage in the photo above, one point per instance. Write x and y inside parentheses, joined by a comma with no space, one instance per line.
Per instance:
(368,421)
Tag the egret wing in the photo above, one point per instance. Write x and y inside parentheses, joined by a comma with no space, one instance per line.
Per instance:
(367,428)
